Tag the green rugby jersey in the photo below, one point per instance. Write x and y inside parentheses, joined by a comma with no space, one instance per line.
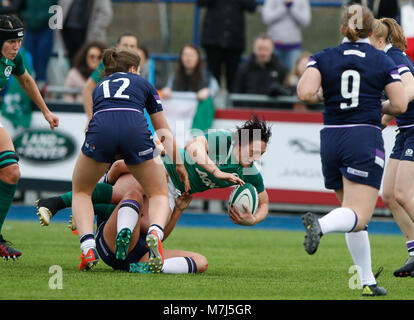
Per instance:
(9,67)
(97,73)
(220,150)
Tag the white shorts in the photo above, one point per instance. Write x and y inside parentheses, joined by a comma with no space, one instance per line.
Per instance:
(173,194)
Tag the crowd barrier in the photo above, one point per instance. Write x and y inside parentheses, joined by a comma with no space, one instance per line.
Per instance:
(290,167)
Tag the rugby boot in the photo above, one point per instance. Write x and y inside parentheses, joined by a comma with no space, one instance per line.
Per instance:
(89,260)
(140,267)
(122,243)
(156,256)
(313,232)
(6,251)
(46,209)
(406,270)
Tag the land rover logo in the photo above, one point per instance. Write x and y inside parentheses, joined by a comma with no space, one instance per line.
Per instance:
(43,145)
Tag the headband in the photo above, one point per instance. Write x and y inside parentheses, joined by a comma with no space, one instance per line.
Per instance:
(9,34)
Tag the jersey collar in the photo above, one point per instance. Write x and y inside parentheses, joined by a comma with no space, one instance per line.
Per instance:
(360,40)
(387,47)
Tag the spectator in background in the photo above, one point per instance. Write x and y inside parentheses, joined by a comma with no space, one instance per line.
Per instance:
(263,73)
(39,37)
(144,65)
(223,35)
(382,8)
(84,63)
(11,6)
(84,21)
(284,20)
(191,76)
(293,78)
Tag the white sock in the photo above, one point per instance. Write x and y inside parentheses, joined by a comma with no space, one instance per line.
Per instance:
(127,215)
(359,247)
(338,220)
(87,244)
(179,265)
(158,229)
(410,247)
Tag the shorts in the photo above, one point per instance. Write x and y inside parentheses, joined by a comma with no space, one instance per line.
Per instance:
(355,152)
(173,194)
(404,145)
(109,257)
(115,135)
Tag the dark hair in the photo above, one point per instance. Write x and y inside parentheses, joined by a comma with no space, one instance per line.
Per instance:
(127,34)
(251,126)
(79,61)
(115,60)
(10,22)
(190,82)
(364,23)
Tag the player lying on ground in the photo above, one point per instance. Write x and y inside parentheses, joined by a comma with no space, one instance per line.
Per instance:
(219,159)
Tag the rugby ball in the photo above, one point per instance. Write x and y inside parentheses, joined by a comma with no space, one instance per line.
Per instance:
(244,195)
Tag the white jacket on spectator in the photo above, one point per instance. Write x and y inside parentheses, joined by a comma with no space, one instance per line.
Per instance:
(284,23)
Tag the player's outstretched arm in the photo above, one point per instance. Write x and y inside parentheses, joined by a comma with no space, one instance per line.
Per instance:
(29,86)
(197,149)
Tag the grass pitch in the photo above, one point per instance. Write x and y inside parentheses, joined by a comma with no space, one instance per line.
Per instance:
(244,264)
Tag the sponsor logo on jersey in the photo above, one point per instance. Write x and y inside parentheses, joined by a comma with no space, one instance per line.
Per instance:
(206,180)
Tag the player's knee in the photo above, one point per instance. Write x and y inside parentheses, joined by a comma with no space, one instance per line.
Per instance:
(135,195)
(201,262)
(401,196)
(10,174)
(388,197)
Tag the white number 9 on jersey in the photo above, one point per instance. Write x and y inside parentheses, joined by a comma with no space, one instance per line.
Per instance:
(352,94)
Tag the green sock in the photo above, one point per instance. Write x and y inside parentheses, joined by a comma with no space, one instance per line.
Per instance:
(101,194)
(103,211)
(6,198)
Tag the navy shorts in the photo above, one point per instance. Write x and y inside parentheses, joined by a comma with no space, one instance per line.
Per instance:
(109,257)
(404,145)
(115,135)
(356,153)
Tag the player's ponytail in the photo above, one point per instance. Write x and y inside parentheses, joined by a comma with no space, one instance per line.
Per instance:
(119,60)
(358,22)
(395,33)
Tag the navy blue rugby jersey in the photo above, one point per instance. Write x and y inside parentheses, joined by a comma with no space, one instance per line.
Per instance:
(125,90)
(404,65)
(354,75)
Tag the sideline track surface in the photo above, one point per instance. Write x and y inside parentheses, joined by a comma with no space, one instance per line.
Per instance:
(290,222)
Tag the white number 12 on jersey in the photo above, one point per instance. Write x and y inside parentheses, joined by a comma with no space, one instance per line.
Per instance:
(119,92)
(352,94)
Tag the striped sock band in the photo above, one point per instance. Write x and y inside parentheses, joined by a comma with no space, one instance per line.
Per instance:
(410,247)
(158,229)
(192,267)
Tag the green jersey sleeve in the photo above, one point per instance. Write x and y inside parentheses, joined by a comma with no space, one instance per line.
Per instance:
(20,69)
(97,73)
(255,178)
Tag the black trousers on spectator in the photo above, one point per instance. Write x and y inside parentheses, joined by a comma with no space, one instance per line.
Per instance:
(73,39)
(217,57)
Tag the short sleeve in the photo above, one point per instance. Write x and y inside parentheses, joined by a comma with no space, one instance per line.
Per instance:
(391,71)
(19,69)
(314,61)
(153,103)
